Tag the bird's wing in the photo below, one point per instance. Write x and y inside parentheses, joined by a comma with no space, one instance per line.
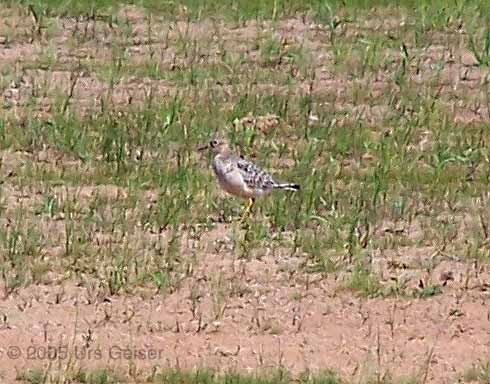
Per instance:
(253,176)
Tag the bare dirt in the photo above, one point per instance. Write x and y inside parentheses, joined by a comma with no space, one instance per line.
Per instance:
(262,320)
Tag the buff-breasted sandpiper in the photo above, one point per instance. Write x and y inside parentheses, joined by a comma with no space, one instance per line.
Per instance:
(241,177)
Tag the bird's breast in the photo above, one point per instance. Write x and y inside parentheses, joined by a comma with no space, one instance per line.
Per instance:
(230,178)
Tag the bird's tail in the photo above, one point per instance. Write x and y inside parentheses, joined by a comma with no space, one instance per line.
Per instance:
(288,186)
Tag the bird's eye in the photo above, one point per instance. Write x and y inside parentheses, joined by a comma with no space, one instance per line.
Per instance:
(214,143)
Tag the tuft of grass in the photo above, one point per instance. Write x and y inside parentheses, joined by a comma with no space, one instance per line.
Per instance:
(428,291)
(364,282)
(209,377)
(98,376)
(480,46)
(32,376)
(479,373)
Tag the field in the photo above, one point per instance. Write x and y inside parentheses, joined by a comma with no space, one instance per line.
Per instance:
(122,261)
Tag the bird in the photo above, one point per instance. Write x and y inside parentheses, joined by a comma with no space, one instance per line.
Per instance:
(240,177)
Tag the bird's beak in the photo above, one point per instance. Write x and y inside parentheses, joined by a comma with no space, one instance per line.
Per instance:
(203,147)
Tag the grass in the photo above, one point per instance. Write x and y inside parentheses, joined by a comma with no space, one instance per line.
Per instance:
(105,376)
(32,376)
(133,154)
(479,373)
(203,376)
(100,376)
(432,13)
(132,148)
(376,112)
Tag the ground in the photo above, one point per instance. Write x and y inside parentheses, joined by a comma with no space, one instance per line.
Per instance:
(121,259)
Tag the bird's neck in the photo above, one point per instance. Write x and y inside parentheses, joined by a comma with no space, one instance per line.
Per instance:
(223,153)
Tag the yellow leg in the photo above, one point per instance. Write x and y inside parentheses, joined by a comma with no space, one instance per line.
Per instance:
(247,210)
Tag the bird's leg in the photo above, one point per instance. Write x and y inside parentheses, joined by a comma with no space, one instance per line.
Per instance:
(251,203)
(247,210)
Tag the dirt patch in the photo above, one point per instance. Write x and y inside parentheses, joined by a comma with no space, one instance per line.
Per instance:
(252,322)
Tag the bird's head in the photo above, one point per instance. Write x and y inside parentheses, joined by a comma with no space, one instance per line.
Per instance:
(216,145)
